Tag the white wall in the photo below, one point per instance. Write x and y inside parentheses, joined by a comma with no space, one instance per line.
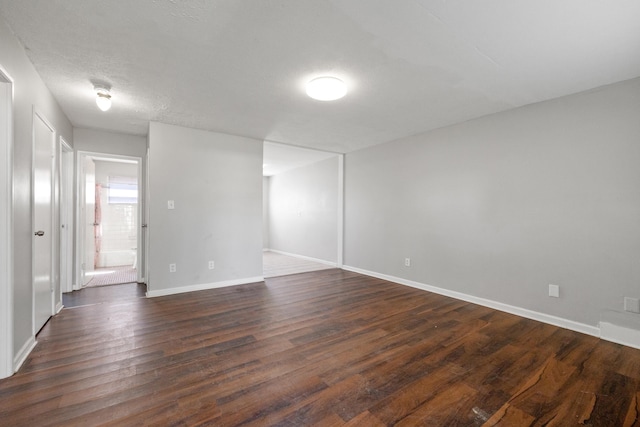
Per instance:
(502,206)
(303,211)
(109,142)
(215,181)
(29,93)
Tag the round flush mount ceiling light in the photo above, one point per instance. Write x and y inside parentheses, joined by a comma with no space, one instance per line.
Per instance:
(103,97)
(326,88)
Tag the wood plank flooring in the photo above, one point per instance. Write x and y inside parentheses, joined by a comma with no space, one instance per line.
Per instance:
(104,294)
(328,348)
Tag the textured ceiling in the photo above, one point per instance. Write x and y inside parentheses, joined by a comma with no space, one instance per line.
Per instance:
(240,66)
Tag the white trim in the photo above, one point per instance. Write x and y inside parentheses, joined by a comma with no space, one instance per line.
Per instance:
(620,334)
(140,221)
(340,254)
(203,286)
(144,231)
(6,233)
(59,307)
(79,245)
(24,352)
(620,327)
(306,258)
(65,213)
(518,311)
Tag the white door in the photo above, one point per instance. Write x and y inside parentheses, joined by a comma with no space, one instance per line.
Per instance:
(89,215)
(43,145)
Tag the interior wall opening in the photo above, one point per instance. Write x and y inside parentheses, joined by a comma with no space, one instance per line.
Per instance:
(109,212)
(302,210)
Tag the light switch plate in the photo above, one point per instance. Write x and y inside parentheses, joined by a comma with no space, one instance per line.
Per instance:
(554,291)
(171,204)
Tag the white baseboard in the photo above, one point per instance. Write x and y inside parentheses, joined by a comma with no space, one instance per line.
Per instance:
(620,327)
(203,286)
(24,352)
(620,334)
(59,307)
(306,258)
(518,311)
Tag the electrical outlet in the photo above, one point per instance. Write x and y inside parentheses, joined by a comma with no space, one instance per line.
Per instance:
(171,204)
(554,291)
(212,265)
(632,305)
(407,262)
(172,268)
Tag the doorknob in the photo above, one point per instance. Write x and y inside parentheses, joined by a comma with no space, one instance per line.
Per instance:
(39,233)
(95,224)
(144,226)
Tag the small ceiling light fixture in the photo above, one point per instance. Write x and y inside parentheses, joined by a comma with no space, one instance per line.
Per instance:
(103,97)
(326,88)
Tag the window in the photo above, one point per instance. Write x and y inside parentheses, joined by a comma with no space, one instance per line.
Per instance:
(123,190)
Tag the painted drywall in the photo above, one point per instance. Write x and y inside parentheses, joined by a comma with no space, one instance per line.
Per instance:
(215,181)
(501,207)
(265,212)
(303,211)
(98,141)
(29,93)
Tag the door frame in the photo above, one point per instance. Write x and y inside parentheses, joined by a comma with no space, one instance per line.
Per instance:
(65,214)
(143,274)
(340,224)
(80,229)
(82,221)
(7,367)
(52,227)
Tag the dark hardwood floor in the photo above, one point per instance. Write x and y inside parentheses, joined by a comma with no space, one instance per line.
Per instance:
(327,348)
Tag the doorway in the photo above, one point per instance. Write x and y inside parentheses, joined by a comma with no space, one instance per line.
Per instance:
(109,212)
(302,209)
